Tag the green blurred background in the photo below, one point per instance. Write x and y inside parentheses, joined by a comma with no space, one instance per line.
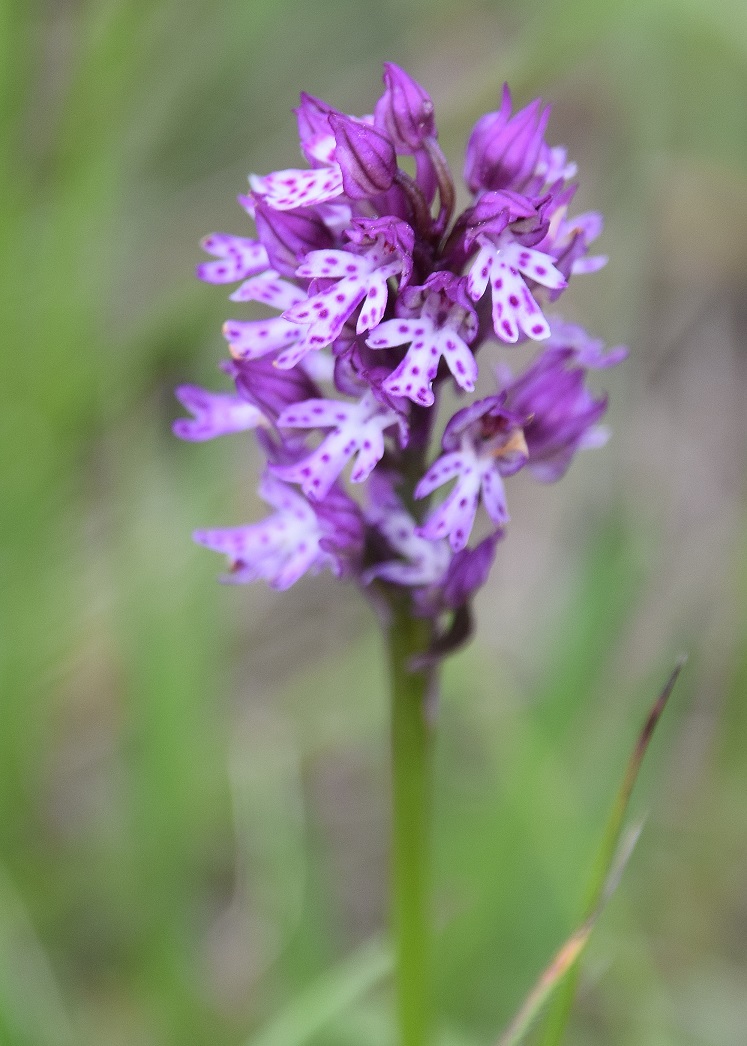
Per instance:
(193,796)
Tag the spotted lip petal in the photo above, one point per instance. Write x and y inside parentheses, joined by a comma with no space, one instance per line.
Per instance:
(437,318)
(237,256)
(251,339)
(293,188)
(414,376)
(361,278)
(358,432)
(294,540)
(269,289)
(326,313)
(506,267)
(280,549)
(455,516)
(422,562)
(214,414)
(482,444)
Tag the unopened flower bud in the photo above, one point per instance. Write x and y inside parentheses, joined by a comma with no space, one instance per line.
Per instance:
(503,150)
(404,111)
(366,157)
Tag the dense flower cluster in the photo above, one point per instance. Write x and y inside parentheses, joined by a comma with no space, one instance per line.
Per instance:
(379,301)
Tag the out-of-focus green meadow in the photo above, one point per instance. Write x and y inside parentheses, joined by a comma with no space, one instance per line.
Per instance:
(193,778)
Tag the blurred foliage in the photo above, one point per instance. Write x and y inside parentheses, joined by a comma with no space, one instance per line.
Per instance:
(192,779)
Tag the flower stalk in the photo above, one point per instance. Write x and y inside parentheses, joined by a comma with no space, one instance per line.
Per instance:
(413,696)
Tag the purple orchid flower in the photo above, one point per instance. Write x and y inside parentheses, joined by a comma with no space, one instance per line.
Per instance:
(294,540)
(484,443)
(375,301)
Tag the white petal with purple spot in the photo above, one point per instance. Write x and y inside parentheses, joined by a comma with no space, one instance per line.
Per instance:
(289,357)
(270,289)
(214,414)
(333,264)
(534,264)
(459,358)
(317,414)
(280,548)
(286,190)
(593,263)
(425,562)
(370,454)
(374,304)
(251,339)
(325,313)
(359,430)
(317,472)
(455,516)
(441,471)
(394,332)
(479,274)
(238,258)
(494,494)
(514,307)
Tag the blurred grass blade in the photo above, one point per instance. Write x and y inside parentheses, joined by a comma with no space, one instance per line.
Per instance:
(31,1002)
(599,884)
(328,998)
(568,954)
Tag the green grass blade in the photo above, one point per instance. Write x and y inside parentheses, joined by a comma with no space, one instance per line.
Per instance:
(32,1008)
(328,998)
(560,1012)
(568,954)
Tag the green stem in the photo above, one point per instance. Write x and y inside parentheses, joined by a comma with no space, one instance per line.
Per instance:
(411,788)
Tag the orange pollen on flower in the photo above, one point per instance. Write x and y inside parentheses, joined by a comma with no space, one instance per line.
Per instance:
(515,444)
